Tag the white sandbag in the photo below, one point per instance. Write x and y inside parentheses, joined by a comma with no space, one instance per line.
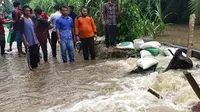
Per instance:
(125,45)
(166,51)
(151,44)
(145,54)
(138,43)
(146,63)
(100,39)
(163,49)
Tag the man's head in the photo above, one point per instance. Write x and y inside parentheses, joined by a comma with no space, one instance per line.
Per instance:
(16,5)
(20,10)
(111,1)
(56,8)
(64,11)
(27,11)
(71,8)
(38,11)
(84,11)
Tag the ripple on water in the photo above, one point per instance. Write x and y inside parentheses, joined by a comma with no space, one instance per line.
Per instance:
(91,87)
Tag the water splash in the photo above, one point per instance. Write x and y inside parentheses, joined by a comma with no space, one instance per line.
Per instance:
(129,94)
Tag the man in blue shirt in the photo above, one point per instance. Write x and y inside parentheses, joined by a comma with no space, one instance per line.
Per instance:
(64,26)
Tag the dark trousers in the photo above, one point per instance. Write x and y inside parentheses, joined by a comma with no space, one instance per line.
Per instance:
(110,34)
(88,48)
(54,40)
(3,44)
(44,51)
(33,56)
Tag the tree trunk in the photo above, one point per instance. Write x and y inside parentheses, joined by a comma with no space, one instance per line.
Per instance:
(191,34)
(119,5)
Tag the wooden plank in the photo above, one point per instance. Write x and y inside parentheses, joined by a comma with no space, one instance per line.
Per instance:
(156,94)
(193,83)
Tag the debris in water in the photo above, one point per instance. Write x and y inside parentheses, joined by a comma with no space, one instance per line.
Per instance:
(179,61)
(193,83)
(156,94)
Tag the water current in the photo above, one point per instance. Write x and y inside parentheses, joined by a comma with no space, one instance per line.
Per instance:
(93,86)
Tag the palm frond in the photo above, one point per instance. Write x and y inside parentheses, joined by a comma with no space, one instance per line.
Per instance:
(194,6)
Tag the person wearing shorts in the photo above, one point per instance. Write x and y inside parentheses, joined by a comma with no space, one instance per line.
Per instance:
(16,17)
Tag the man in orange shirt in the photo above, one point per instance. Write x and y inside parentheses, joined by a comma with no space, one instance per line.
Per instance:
(85,31)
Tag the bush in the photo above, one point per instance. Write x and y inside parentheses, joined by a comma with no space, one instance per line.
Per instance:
(134,23)
(138,19)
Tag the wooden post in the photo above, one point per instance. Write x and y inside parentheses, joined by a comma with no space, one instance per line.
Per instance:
(191,34)
(153,92)
(193,83)
(119,5)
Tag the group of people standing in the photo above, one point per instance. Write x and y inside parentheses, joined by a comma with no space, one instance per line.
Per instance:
(32,29)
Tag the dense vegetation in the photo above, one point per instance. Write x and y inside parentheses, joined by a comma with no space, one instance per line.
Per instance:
(140,18)
(137,20)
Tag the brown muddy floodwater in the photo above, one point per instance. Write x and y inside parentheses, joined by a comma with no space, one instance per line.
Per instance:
(94,86)
(178,34)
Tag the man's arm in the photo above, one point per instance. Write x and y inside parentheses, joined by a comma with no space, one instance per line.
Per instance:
(94,28)
(72,27)
(44,22)
(104,14)
(58,31)
(3,21)
(36,38)
(50,20)
(35,26)
(7,22)
(48,25)
(76,29)
(14,17)
(58,35)
(21,29)
(119,12)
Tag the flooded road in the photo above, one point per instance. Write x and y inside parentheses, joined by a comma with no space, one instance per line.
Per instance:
(93,86)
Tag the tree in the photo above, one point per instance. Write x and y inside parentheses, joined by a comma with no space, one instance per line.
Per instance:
(194,6)
(22,2)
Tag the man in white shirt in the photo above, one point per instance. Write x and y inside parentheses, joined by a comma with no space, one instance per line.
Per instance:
(54,38)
